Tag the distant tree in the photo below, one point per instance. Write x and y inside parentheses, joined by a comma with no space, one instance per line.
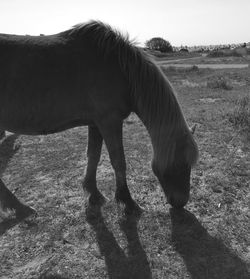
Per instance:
(159,44)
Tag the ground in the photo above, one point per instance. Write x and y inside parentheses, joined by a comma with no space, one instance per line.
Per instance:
(209,239)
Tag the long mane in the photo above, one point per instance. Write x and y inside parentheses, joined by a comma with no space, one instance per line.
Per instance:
(152,95)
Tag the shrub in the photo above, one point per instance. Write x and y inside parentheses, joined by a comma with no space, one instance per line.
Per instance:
(159,44)
(194,68)
(240,116)
(219,83)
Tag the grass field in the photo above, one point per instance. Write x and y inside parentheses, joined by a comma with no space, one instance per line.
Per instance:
(209,239)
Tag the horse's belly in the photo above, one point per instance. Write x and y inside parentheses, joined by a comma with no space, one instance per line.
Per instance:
(31,122)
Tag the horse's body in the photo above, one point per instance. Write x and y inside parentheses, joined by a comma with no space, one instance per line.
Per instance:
(91,75)
(49,84)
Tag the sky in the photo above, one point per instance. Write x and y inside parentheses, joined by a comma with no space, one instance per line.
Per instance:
(181,22)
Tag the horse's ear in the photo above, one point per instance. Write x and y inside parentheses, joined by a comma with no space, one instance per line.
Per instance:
(192,130)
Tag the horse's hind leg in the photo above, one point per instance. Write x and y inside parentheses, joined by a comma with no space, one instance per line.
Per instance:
(9,201)
(112,134)
(93,154)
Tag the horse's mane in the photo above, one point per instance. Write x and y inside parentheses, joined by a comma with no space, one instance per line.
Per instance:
(153,97)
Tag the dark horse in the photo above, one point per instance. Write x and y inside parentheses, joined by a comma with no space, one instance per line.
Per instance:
(92,75)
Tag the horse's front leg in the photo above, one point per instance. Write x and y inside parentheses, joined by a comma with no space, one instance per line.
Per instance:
(93,154)
(9,201)
(112,134)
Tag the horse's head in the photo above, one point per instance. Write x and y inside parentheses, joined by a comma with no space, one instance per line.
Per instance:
(175,177)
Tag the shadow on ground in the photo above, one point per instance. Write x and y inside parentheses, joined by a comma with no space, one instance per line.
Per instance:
(7,151)
(133,264)
(204,255)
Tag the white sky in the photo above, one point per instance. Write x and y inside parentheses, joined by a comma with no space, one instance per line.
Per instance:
(182,22)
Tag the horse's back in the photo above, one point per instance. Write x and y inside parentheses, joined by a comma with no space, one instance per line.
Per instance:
(48,82)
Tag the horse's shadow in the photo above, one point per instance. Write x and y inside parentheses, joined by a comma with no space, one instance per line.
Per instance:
(134,264)
(7,151)
(205,256)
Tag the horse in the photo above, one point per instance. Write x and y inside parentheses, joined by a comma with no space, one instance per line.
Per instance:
(93,75)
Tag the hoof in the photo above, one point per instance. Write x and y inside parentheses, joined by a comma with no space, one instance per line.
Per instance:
(25,211)
(178,201)
(129,209)
(134,210)
(96,199)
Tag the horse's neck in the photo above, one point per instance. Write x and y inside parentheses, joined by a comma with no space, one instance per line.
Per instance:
(164,126)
